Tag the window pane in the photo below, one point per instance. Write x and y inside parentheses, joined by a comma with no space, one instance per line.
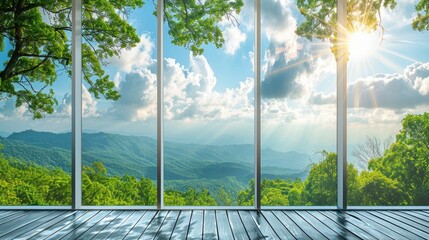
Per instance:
(298,111)
(35,111)
(119,128)
(388,119)
(208,97)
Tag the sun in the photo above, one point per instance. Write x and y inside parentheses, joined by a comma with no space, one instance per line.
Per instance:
(362,44)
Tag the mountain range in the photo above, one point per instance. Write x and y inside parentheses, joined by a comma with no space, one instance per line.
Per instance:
(136,156)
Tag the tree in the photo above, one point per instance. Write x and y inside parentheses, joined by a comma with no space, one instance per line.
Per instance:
(38,31)
(372,148)
(421,22)
(407,160)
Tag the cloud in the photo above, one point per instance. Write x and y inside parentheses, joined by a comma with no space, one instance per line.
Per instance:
(286,78)
(137,57)
(188,94)
(392,91)
(89,105)
(317,98)
(233,36)
(9,110)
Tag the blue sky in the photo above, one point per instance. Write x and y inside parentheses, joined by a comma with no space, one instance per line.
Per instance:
(209,98)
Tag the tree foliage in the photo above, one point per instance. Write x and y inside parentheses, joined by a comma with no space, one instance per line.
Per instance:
(421,22)
(36,35)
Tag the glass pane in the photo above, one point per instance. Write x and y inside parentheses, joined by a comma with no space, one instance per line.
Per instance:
(388,103)
(209,112)
(298,110)
(119,127)
(35,111)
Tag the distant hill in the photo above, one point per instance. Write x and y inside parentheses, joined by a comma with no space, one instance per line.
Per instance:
(136,155)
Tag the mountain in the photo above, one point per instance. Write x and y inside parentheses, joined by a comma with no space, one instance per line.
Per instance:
(136,155)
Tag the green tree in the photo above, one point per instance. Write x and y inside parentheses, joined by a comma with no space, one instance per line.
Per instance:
(407,160)
(38,31)
(379,190)
(421,22)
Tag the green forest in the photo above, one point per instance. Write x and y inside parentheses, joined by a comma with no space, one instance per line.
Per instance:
(398,177)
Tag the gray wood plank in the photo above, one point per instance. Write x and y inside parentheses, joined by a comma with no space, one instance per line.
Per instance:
(390,225)
(195,230)
(127,225)
(237,226)
(168,225)
(29,225)
(415,214)
(7,213)
(251,228)
(336,227)
(282,225)
(399,224)
(113,225)
(11,217)
(154,225)
(84,226)
(59,225)
(180,231)
(381,227)
(21,221)
(100,225)
(46,225)
(141,225)
(263,225)
(72,226)
(209,231)
(304,225)
(319,226)
(412,218)
(223,227)
(406,220)
(358,226)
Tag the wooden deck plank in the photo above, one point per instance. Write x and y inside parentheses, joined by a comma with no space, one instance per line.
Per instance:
(113,225)
(29,225)
(412,218)
(252,229)
(237,226)
(70,228)
(214,224)
(127,225)
(141,225)
(100,225)
(210,227)
(338,228)
(318,225)
(84,226)
(282,225)
(406,220)
(196,225)
(263,225)
(404,231)
(15,224)
(400,224)
(154,225)
(59,225)
(304,225)
(377,225)
(46,225)
(180,231)
(223,228)
(167,227)
(356,225)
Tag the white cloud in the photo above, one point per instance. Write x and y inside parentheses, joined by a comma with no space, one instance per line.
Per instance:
(89,105)
(233,36)
(137,57)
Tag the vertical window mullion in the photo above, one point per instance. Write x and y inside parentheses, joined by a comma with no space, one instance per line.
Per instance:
(160,105)
(342,55)
(257,102)
(76,104)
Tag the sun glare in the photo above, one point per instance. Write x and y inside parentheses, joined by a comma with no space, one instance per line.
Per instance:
(362,44)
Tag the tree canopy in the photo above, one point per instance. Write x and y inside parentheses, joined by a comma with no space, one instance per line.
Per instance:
(36,36)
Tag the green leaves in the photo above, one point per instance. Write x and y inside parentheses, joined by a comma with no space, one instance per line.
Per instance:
(193,23)
(421,22)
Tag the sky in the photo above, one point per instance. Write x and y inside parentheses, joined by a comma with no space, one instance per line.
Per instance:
(209,98)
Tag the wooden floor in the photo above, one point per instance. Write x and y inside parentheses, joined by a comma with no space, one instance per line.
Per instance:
(214,224)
